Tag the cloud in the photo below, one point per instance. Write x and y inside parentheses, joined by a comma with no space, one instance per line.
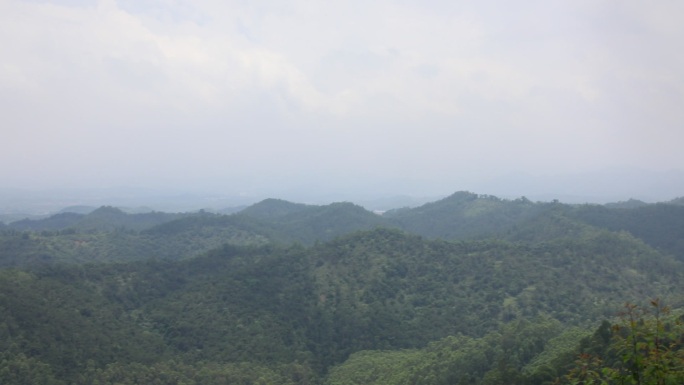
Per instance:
(424,90)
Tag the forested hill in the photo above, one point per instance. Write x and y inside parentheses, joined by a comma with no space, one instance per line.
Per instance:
(465,215)
(461,216)
(470,289)
(108,234)
(270,209)
(105,218)
(309,223)
(294,314)
(278,222)
(677,201)
(660,225)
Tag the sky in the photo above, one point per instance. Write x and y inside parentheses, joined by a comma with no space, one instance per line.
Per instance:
(340,97)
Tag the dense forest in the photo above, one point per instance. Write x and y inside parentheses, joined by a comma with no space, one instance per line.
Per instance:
(470,289)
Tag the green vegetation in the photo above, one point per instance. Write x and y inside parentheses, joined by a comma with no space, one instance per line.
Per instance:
(646,347)
(659,225)
(105,218)
(465,215)
(516,293)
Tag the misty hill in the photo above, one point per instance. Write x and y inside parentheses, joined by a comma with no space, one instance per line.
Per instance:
(677,201)
(105,218)
(270,209)
(230,210)
(78,209)
(629,204)
(660,225)
(110,218)
(464,215)
(111,234)
(311,223)
(271,308)
(177,239)
(281,222)
(54,222)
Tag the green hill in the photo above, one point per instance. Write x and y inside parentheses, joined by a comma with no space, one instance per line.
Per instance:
(307,224)
(270,209)
(660,225)
(469,289)
(677,201)
(105,218)
(464,215)
(111,234)
(276,307)
(629,204)
(54,222)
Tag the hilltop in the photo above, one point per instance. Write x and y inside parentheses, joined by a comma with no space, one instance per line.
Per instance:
(461,216)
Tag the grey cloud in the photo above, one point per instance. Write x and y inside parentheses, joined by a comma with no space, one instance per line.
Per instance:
(445,95)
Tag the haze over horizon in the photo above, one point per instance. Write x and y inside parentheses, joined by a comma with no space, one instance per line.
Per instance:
(327,100)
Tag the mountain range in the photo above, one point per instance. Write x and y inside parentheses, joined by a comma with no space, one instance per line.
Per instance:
(468,289)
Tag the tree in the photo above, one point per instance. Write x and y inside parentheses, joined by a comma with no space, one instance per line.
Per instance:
(647,349)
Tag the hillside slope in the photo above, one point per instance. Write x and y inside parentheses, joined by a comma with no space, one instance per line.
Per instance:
(271,306)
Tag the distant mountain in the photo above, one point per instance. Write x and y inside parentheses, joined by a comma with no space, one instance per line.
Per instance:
(461,216)
(393,202)
(283,222)
(320,223)
(179,239)
(311,223)
(270,209)
(137,210)
(464,215)
(55,222)
(629,204)
(78,209)
(105,218)
(230,210)
(677,201)
(660,225)
(194,234)
(14,217)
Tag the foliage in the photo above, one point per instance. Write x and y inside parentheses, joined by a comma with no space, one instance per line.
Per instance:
(105,218)
(496,358)
(108,234)
(26,248)
(21,370)
(307,224)
(629,204)
(270,209)
(288,293)
(465,215)
(659,225)
(647,349)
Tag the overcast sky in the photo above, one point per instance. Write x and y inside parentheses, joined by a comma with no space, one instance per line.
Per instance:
(407,97)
